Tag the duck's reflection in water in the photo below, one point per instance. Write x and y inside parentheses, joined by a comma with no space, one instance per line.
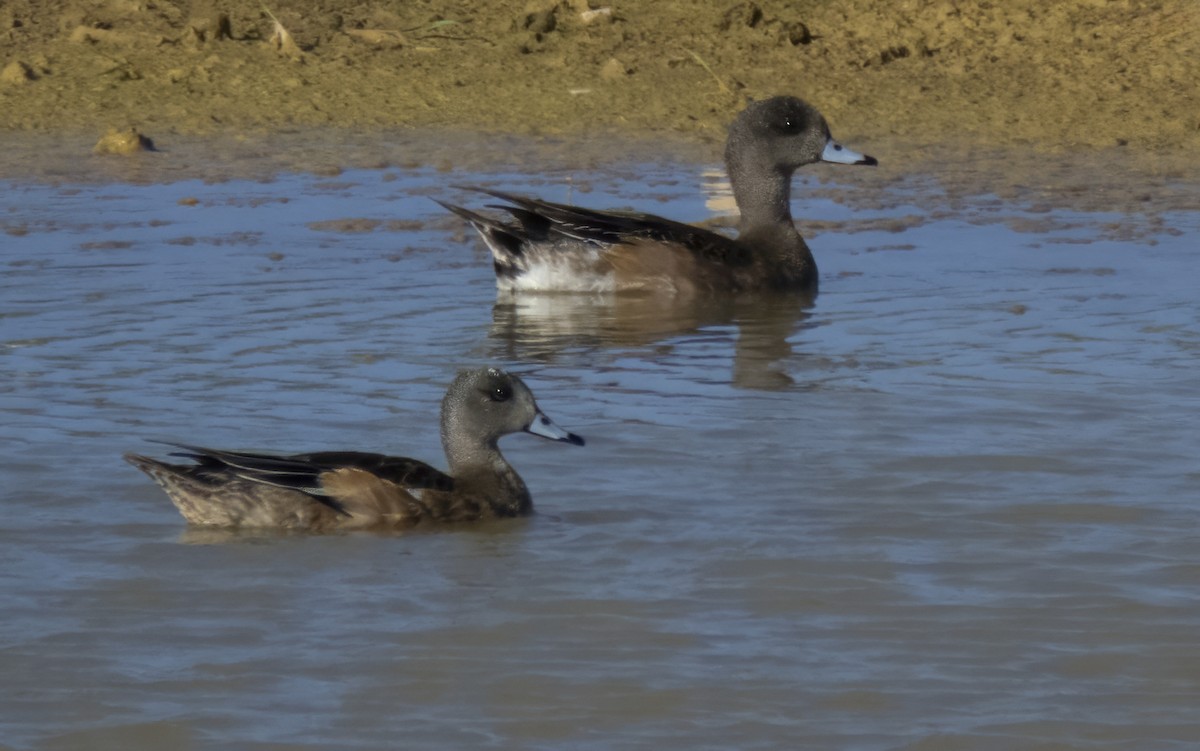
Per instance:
(537,327)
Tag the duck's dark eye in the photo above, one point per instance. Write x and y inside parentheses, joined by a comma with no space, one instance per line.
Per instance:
(790,124)
(501,393)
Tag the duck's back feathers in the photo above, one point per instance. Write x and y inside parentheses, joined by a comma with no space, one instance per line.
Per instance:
(303,471)
(364,489)
(553,246)
(542,220)
(210,495)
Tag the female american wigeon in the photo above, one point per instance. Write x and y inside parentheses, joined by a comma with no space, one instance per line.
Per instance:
(555,247)
(346,489)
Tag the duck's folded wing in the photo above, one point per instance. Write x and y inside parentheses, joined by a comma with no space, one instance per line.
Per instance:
(403,471)
(281,471)
(370,499)
(542,218)
(353,483)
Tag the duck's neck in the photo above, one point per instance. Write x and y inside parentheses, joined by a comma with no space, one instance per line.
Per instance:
(763,194)
(482,470)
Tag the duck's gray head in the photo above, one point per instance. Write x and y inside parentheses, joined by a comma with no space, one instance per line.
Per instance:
(484,405)
(784,133)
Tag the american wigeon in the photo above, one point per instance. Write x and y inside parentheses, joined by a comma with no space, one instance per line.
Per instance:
(346,489)
(555,247)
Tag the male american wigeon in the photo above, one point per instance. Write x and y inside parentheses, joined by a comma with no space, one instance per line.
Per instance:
(555,247)
(346,489)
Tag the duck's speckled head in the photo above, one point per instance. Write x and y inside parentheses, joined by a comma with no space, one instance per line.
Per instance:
(486,404)
(787,133)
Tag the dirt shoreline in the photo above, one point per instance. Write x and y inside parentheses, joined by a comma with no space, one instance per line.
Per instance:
(1094,75)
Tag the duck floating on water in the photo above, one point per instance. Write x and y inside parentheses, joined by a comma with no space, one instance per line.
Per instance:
(331,490)
(555,247)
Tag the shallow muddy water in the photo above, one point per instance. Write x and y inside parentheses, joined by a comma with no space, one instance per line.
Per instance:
(951,504)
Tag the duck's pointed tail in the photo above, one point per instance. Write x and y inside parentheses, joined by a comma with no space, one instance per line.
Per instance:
(506,242)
